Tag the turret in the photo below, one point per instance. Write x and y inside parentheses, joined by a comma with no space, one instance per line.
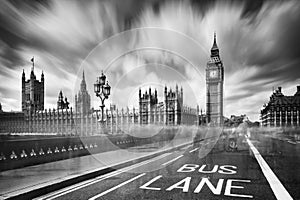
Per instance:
(42,77)
(83,99)
(166,90)
(140,93)
(83,83)
(66,104)
(23,91)
(181,92)
(60,95)
(23,76)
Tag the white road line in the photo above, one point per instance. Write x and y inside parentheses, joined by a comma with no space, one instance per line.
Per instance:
(191,151)
(186,147)
(291,142)
(117,186)
(172,160)
(278,189)
(96,180)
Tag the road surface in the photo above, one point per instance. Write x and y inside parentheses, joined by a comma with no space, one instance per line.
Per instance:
(256,167)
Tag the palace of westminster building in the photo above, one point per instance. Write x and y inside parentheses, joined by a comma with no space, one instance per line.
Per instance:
(83,120)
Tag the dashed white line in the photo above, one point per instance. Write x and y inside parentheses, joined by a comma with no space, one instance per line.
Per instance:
(116,187)
(278,189)
(191,151)
(172,160)
(96,180)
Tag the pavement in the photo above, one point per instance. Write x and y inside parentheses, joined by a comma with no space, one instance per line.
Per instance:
(30,180)
(250,166)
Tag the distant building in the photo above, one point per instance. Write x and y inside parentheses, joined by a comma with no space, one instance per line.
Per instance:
(83,99)
(85,121)
(32,93)
(61,102)
(169,112)
(235,120)
(214,87)
(281,110)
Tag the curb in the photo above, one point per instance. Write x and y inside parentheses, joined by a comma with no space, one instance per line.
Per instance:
(71,180)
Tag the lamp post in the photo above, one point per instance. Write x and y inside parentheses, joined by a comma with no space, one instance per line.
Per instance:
(102,91)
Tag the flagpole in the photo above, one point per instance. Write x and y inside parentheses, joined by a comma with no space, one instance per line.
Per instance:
(32,60)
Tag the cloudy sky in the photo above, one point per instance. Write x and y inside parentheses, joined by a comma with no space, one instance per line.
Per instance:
(151,43)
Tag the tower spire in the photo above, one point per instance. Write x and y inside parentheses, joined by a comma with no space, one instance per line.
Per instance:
(83,84)
(214,49)
(215,46)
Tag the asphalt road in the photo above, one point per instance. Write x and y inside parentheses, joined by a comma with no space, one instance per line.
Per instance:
(261,167)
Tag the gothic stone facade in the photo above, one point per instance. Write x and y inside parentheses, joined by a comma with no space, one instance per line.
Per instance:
(62,103)
(281,110)
(214,87)
(69,122)
(83,99)
(32,93)
(169,112)
(84,120)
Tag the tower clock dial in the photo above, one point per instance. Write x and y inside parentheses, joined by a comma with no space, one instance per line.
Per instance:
(213,74)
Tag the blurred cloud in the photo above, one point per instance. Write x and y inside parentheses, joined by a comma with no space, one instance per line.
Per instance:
(143,43)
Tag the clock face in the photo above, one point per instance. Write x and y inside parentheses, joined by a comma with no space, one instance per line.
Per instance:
(213,74)
(171,105)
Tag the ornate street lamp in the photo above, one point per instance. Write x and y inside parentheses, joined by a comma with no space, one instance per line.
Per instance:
(102,91)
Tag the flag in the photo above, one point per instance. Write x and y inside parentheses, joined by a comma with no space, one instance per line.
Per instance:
(32,59)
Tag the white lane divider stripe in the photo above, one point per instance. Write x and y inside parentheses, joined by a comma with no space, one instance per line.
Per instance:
(98,179)
(117,186)
(291,142)
(172,160)
(278,189)
(191,151)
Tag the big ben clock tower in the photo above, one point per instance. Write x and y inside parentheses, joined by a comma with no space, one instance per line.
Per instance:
(214,87)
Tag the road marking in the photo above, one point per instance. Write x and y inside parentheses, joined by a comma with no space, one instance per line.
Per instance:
(278,189)
(172,160)
(291,142)
(191,151)
(98,179)
(117,186)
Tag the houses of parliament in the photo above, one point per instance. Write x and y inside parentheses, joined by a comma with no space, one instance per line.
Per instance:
(84,120)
